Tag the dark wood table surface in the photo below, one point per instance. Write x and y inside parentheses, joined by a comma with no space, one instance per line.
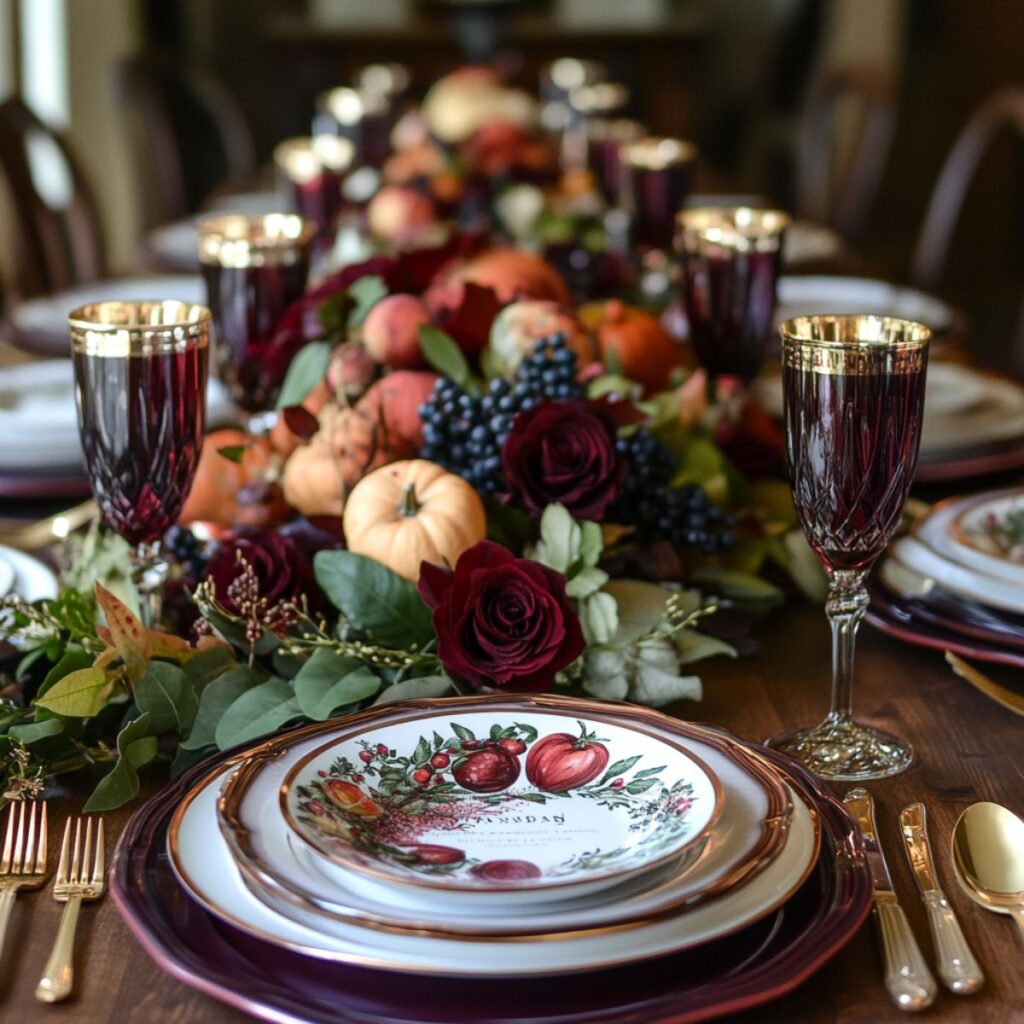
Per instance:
(968,749)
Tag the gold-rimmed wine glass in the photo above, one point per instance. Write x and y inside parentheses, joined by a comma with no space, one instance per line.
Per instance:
(853,391)
(657,175)
(140,386)
(311,171)
(255,267)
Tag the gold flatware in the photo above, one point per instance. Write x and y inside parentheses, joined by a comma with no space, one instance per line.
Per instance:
(23,862)
(988,856)
(80,876)
(956,964)
(41,534)
(907,979)
(1000,694)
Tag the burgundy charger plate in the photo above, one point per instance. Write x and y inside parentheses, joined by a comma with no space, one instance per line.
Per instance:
(752,966)
(888,615)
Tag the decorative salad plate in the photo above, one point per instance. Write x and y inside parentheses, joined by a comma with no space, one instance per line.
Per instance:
(489,803)
(284,873)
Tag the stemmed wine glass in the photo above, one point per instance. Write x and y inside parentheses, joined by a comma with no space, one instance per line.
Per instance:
(311,171)
(730,259)
(140,384)
(854,395)
(255,267)
(656,178)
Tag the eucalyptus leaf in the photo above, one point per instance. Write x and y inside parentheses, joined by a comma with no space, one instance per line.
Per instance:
(586,581)
(257,712)
(80,694)
(208,665)
(136,748)
(591,543)
(740,587)
(30,733)
(305,371)
(169,696)
(329,681)
(560,537)
(599,618)
(184,758)
(373,598)
(215,699)
(425,686)
(365,293)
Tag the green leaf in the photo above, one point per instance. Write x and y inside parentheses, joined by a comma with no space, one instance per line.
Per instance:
(257,712)
(208,665)
(591,543)
(422,751)
(184,758)
(560,538)
(649,772)
(32,732)
(169,697)
(233,452)
(640,785)
(71,661)
(216,698)
(599,618)
(741,587)
(307,369)
(365,293)
(425,686)
(442,353)
(80,694)
(619,768)
(586,582)
(374,599)
(136,749)
(329,681)
(462,732)
(534,798)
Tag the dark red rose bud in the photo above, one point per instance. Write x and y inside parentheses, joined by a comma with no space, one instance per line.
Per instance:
(563,452)
(501,620)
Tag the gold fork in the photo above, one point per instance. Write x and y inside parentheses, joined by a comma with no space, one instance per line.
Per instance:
(80,876)
(23,862)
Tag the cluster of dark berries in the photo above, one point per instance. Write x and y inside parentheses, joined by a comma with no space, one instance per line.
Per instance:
(465,433)
(187,550)
(685,515)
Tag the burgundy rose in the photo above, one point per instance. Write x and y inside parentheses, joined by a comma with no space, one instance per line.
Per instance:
(563,452)
(282,567)
(501,620)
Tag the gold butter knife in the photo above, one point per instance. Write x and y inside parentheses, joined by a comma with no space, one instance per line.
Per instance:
(907,979)
(957,966)
(1000,694)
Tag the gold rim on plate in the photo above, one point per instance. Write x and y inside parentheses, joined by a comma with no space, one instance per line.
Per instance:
(463,705)
(774,830)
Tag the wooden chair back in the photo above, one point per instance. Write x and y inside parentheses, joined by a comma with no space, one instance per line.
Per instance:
(59,236)
(188,137)
(838,172)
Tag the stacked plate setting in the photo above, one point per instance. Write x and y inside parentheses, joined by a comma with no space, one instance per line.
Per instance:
(957,581)
(501,837)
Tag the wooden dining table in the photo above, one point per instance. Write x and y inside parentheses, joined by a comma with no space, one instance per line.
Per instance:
(968,749)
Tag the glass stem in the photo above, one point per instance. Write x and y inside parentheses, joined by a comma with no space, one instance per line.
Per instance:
(847,602)
(149,574)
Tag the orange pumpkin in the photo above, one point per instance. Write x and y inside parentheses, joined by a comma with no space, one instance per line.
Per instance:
(411,512)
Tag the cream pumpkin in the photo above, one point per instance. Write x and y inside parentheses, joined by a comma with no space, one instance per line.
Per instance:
(413,511)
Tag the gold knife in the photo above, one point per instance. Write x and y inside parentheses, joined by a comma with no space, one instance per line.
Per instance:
(907,979)
(956,963)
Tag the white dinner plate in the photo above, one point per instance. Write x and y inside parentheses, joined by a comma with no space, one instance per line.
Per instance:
(811,294)
(39,423)
(749,834)
(41,325)
(8,576)
(948,528)
(494,803)
(203,865)
(959,579)
(806,242)
(33,580)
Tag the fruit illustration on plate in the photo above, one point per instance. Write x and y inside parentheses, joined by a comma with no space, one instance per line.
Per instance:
(432,853)
(352,799)
(505,870)
(561,761)
(488,769)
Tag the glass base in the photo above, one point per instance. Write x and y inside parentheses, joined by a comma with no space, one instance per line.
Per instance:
(845,750)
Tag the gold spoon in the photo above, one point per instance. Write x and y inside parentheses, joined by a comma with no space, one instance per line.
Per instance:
(988,857)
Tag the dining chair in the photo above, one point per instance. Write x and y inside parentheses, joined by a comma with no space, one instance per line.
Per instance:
(188,136)
(1003,110)
(844,139)
(59,239)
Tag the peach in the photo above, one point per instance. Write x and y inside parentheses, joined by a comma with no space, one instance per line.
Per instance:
(394,403)
(513,274)
(391,331)
(397,213)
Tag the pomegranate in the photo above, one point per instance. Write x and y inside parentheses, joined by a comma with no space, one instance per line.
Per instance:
(430,853)
(560,762)
(422,775)
(487,770)
(513,746)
